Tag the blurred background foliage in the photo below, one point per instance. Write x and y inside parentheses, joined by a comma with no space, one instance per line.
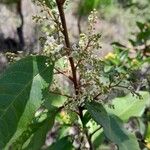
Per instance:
(119,16)
(128,11)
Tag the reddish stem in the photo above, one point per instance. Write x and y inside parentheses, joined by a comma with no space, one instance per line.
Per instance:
(67,42)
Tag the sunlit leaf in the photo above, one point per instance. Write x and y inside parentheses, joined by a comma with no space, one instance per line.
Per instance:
(39,136)
(129,106)
(21,88)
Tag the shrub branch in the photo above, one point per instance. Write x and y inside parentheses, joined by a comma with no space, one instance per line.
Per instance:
(67,42)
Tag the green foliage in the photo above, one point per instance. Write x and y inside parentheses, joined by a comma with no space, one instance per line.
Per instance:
(129,106)
(63,143)
(29,76)
(87,6)
(141,41)
(147,135)
(38,138)
(113,128)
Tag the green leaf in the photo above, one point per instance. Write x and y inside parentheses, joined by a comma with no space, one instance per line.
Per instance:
(129,106)
(50,3)
(86,118)
(63,131)
(21,88)
(39,137)
(86,6)
(113,127)
(98,139)
(147,135)
(140,25)
(54,99)
(62,144)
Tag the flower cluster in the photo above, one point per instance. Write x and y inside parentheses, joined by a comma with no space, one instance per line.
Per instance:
(94,81)
(52,49)
(12,57)
(110,55)
(51,39)
(88,63)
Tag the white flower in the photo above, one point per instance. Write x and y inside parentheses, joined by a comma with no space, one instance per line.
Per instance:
(59,47)
(50,39)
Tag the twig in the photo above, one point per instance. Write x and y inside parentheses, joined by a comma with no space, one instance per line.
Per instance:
(60,72)
(96,97)
(115,85)
(95,131)
(78,63)
(57,93)
(87,46)
(79,26)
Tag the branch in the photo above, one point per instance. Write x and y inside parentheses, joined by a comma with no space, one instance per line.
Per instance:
(79,26)
(95,131)
(67,42)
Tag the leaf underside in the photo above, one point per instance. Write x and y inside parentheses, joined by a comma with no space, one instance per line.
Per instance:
(113,127)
